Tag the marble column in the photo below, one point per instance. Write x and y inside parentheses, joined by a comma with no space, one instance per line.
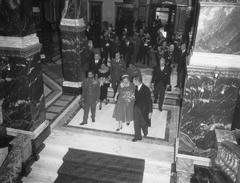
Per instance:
(23,104)
(1,94)
(213,79)
(1,117)
(73,43)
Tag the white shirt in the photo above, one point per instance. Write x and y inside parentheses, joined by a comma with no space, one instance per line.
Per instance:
(139,86)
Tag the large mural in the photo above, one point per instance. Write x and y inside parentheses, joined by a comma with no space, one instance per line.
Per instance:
(218,30)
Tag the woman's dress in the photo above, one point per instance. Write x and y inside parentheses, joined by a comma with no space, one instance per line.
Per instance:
(123,110)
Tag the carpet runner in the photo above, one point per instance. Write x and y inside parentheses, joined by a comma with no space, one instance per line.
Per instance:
(81,166)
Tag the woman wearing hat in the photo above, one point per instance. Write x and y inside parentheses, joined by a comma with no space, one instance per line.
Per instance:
(123,111)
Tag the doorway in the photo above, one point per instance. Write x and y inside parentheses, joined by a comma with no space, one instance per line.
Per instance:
(164,17)
(95,20)
(124,18)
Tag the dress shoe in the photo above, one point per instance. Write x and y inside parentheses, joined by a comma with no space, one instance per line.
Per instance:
(83,123)
(106,102)
(169,88)
(118,129)
(160,109)
(135,140)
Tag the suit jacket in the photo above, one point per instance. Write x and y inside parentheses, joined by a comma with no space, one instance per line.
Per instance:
(90,90)
(143,101)
(88,61)
(117,69)
(182,65)
(172,58)
(161,75)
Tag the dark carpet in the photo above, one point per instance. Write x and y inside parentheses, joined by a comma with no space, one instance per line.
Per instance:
(81,166)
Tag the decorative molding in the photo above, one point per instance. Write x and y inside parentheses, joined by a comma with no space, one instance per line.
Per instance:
(19,46)
(73,22)
(219,2)
(215,60)
(32,134)
(201,161)
(209,72)
(18,42)
(208,63)
(72,84)
(21,52)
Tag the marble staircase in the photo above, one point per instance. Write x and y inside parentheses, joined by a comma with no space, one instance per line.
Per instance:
(158,158)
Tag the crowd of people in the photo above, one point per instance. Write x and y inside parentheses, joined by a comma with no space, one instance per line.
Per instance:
(115,63)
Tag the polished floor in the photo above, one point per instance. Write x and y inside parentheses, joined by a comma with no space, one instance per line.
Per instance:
(105,122)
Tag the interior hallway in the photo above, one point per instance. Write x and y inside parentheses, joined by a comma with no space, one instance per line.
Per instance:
(158,157)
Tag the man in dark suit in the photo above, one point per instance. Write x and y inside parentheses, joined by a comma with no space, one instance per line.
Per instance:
(107,43)
(160,78)
(117,69)
(95,63)
(182,66)
(88,58)
(90,96)
(142,109)
(171,61)
(128,49)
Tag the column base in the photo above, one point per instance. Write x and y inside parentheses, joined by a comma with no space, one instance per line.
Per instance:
(38,136)
(72,88)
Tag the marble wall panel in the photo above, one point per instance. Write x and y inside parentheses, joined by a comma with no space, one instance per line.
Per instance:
(75,9)
(218,29)
(73,44)
(208,103)
(16,18)
(23,105)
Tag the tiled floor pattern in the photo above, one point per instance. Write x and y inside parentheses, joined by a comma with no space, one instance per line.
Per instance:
(56,102)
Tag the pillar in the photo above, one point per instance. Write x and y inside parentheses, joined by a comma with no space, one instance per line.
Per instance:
(213,79)
(73,42)
(23,104)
